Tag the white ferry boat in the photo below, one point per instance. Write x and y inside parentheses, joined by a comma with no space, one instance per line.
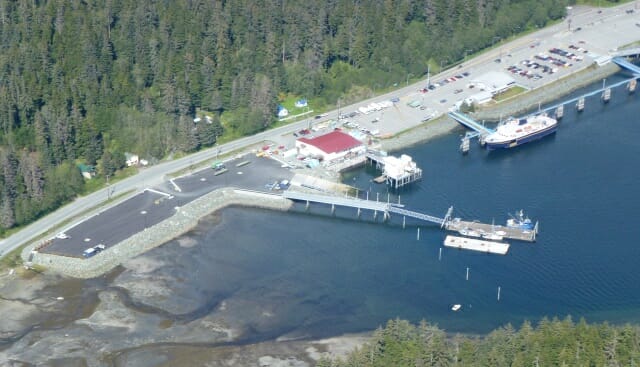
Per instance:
(516,132)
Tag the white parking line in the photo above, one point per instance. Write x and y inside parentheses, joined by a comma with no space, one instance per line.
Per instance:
(159,192)
(175,186)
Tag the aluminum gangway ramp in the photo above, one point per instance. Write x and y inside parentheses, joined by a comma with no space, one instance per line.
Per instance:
(470,123)
(422,216)
(623,63)
(338,200)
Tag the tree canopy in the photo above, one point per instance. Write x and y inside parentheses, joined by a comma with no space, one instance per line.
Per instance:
(84,81)
(551,343)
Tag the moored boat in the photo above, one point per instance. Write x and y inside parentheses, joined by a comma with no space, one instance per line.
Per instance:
(520,221)
(516,132)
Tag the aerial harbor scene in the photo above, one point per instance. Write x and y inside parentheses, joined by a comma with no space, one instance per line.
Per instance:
(480,212)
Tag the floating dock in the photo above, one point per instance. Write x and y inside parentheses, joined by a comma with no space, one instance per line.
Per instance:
(458,225)
(465,243)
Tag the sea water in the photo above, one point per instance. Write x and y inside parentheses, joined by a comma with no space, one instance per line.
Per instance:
(324,274)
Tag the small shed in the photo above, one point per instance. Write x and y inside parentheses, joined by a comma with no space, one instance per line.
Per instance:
(282,112)
(131,159)
(87,171)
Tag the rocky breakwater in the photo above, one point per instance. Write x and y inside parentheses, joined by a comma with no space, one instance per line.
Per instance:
(185,219)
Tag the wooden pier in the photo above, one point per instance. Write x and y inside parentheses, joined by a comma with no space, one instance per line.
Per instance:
(461,226)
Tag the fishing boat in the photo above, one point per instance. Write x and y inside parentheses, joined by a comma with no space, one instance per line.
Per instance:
(516,132)
(520,221)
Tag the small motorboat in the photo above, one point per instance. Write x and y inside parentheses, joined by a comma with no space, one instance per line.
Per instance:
(456,307)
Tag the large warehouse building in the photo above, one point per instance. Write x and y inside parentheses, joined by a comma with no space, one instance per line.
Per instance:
(330,147)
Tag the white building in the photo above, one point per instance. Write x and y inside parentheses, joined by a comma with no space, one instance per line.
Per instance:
(493,82)
(329,147)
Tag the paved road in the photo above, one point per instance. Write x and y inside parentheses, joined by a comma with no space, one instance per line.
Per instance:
(601,32)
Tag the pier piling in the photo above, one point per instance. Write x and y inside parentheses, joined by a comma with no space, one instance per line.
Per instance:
(467,278)
(440,254)
(418,236)
(559,112)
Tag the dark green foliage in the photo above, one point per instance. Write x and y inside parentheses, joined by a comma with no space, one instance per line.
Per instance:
(551,343)
(86,81)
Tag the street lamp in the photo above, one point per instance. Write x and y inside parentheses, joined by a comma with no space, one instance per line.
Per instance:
(409,74)
(144,214)
(442,62)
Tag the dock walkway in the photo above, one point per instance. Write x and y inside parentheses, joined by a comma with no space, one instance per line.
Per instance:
(386,208)
(470,123)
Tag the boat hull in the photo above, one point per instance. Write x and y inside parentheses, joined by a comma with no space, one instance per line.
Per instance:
(521,140)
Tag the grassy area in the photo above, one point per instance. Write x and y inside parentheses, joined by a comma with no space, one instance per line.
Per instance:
(630,45)
(602,3)
(511,92)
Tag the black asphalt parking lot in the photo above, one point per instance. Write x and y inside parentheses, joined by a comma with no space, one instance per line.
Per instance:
(156,204)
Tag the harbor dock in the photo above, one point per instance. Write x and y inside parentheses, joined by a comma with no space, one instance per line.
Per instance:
(397,172)
(474,228)
(480,245)
(461,226)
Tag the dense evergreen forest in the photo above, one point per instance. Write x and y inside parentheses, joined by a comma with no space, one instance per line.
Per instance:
(84,81)
(551,343)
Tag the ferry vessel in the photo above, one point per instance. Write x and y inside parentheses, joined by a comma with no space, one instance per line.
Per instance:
(515,132)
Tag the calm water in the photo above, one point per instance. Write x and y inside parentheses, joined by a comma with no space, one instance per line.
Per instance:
(342,274)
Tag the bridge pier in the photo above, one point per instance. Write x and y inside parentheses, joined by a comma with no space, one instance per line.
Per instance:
(333,209)
(306,207)
(359,212)
(559,112)
(404,221)
(375,214)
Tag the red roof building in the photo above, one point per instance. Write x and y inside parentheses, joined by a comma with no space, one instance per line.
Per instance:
(333,145)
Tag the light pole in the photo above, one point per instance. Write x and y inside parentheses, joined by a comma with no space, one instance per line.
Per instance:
(409,74)
(442,62)
(144,214)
